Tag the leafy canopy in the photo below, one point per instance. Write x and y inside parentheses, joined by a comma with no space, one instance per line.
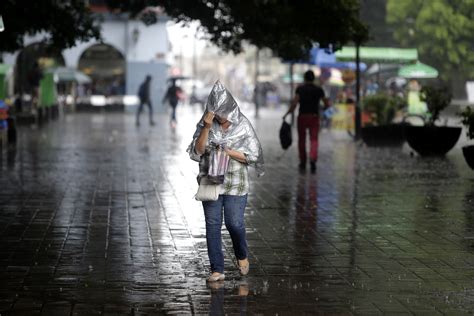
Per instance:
(63,21)
(437,98)
(442,30)
(289,28)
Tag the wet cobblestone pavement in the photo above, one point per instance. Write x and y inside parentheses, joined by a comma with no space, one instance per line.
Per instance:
(98,217)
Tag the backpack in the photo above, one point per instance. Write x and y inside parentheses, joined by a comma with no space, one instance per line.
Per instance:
(173,95)
(285,135)
(142,92)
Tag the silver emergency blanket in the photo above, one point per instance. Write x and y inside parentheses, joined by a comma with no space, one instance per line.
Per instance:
(239,136)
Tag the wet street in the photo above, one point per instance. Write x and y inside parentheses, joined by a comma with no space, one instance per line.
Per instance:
(97,216)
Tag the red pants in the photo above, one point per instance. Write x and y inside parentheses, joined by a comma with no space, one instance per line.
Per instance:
(308,122)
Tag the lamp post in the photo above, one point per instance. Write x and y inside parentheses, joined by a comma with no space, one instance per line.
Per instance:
(257,87)
(194,57)
(357,104)
(181,57)
(193,92)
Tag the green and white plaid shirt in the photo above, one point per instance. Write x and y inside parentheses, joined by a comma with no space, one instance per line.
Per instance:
(236,179)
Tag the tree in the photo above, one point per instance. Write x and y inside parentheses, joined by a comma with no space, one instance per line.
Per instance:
(288,28)
(443,32)
(64,22)
(373,13)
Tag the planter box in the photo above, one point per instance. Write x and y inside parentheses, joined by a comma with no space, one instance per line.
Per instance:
(26,119)
(386,135)
(468,152)
(432,140)
(3,140)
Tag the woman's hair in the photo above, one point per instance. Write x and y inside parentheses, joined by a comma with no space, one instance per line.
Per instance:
(309,76)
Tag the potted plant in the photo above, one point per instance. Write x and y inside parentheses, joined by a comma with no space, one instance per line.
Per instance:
(431,139)
(468,121)
(381,131)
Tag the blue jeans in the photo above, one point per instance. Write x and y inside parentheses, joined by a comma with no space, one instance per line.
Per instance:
(233,206)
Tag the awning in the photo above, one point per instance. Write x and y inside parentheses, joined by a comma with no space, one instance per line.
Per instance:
(379,68)
(344,65)
(378,54)
(297,78)
(418,71)
(324,58)
(64,74)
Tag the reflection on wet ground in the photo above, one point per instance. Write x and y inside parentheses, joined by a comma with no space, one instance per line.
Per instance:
(98,217)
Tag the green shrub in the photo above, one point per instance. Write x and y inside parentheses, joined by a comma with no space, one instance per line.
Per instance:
(383,107)
(437,99)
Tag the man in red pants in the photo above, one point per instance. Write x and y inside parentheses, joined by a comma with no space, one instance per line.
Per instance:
(308,96)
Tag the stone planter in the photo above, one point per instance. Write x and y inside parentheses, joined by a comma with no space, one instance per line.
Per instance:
(468,152)
(432,140)
(385,135)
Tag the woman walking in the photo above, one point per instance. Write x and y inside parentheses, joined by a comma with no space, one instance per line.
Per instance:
(223,128)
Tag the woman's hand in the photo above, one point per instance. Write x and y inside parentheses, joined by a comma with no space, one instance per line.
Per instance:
(202,138)
(237,155)
(208,118)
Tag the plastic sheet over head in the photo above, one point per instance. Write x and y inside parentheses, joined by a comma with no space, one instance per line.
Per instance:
(222,103)
(239,136)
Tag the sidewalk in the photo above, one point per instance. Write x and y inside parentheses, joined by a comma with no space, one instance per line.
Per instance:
(98,217)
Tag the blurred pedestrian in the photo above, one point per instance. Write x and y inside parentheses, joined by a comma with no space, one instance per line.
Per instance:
(224,127)
(372,87)
(172,95)
(34,78)
(308,96)
(144,96)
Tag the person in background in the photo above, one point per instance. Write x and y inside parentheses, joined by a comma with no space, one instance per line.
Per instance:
(371,88)
(308,96)
(172,95)
(144,96)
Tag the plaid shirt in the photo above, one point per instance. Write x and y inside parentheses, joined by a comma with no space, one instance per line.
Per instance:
(236,179)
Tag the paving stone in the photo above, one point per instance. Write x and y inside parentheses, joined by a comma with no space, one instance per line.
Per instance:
(97,217)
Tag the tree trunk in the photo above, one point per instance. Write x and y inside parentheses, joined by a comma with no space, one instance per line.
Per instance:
(458,85)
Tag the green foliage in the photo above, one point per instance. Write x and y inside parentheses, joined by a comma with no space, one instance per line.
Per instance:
(373,12)
(65,21)
(442,30)
(383,107)
(468,121)
(288,28)
(437,98)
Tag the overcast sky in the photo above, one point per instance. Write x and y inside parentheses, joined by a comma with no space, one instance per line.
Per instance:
(183,37)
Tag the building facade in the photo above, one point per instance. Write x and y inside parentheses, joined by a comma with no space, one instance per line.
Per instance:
(128,52)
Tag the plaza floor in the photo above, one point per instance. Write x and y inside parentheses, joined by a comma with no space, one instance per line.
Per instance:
(97,217)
